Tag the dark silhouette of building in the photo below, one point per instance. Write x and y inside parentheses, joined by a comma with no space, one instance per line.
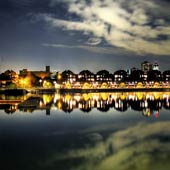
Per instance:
(136,76)
(154,75)
(48,69)
(166,76)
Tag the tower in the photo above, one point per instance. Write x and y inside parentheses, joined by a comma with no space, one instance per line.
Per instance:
(146,66)
(47,69)
(155,66)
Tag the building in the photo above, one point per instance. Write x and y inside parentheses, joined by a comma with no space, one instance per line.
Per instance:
(69,76)
(103,75)
(86,75)
(120,76)
(155,66)
(40,74)
(154,75)
(48,69)
(34,78)
(137,76)
(166,76)
(146,66)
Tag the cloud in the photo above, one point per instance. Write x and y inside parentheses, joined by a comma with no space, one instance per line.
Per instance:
(133,25)
(91,48)
(94,41)
(124,149)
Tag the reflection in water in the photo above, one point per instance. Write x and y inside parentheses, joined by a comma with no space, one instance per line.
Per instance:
(147,103)
(93,141)
(123,150)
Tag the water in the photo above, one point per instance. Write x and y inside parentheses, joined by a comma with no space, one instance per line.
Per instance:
(95,131)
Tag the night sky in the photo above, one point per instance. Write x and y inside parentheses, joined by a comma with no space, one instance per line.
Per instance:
(84,34)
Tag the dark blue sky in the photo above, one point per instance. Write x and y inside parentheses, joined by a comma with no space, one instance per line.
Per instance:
(77,35)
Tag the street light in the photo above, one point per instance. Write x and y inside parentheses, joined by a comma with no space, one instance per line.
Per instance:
(59,76)
(40,81)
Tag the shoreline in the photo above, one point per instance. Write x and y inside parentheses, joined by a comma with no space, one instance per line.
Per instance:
(14,92)
(114,90)
(62,90)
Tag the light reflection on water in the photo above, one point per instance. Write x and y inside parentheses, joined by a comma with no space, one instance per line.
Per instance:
(147,103)
(86,132)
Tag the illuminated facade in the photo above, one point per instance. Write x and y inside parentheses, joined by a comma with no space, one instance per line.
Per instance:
(120,76)
(39,74)
(86,75)
(104,76)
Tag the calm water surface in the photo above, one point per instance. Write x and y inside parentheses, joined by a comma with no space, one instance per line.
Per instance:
(95,131)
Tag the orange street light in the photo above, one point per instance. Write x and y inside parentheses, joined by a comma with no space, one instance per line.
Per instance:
(59,76)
